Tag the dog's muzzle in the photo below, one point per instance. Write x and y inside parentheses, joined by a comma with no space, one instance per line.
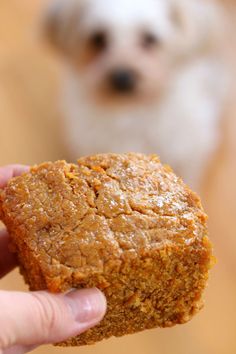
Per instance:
(123,80)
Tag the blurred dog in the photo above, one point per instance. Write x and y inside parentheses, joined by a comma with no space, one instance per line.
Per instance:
(141,75)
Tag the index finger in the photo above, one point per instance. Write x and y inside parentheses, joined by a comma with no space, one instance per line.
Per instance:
(7,172)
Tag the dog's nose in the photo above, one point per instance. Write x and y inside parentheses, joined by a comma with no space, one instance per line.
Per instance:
(123,80)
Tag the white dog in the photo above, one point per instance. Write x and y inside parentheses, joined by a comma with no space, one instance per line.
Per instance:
(141,75)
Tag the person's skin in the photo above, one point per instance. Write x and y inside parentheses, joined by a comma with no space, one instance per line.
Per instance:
(28,320)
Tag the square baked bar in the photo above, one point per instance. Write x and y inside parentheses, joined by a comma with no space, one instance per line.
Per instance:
(122,223)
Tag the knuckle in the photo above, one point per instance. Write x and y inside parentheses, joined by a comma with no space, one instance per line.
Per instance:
(49,314)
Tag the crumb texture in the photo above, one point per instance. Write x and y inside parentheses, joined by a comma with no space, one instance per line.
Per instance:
(123,223)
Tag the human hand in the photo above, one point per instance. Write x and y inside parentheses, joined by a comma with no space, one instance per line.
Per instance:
(28,320)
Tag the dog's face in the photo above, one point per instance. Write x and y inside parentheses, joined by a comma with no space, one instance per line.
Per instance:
(123,51)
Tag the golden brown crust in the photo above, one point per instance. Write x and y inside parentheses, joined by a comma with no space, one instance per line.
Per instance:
(122,223)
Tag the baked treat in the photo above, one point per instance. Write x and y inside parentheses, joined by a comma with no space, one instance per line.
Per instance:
(122,223)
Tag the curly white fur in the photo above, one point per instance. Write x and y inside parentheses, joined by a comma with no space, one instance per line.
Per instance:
(182,84)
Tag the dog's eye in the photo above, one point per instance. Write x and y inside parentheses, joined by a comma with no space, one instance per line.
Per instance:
(149,40)
(99,40)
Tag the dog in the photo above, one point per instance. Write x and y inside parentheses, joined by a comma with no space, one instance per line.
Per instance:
(142,76)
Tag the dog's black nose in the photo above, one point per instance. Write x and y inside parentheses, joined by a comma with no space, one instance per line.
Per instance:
(123,80)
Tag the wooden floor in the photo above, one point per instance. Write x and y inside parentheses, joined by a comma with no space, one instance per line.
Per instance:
(29,134)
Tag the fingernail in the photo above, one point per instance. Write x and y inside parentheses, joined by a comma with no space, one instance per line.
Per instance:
(87,305)
(4,176)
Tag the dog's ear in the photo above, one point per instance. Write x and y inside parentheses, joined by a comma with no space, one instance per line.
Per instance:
(60,24)
(198,22)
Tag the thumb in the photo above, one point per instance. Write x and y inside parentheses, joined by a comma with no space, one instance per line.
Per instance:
(39,317)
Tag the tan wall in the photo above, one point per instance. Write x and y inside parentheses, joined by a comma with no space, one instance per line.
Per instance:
(29,134)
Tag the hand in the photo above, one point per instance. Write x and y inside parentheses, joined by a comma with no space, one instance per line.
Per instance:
(28,320)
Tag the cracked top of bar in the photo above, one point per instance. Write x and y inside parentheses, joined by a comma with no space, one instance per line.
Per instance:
(107,209)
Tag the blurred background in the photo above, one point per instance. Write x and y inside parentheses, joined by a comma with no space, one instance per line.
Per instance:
(30,133)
